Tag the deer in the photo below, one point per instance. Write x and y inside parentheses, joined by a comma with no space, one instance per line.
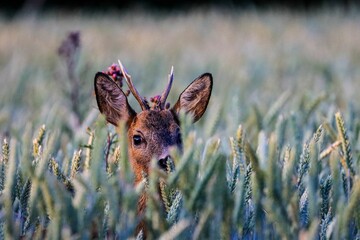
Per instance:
(155,130)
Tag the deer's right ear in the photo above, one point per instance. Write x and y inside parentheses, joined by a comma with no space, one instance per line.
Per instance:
(195,98)
(112,101)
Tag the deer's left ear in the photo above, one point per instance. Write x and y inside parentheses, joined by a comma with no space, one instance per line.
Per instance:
(195,98)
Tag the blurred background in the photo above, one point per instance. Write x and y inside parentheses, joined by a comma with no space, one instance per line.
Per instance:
(298,53)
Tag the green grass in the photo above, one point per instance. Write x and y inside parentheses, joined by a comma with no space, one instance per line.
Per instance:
(275,156)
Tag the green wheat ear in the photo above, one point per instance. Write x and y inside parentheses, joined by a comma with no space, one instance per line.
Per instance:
(24,199)
(345,142)
(41,134)
(3,163)
(56,170)
(5,152)
(324,225)
(175,208)
(89,148)
(318,134)
(38,141)
(325,187)
(164,195)
(75,163)
(117,155)
(10,184)
(255,165)
(235,171)
(303,166)
(238,163)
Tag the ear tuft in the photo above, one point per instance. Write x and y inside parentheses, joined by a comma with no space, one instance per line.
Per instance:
(195,98)
(111,100)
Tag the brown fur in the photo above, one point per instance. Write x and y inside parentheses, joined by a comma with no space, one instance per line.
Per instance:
(159,130)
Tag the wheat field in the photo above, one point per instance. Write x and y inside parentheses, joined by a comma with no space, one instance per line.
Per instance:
(277,154)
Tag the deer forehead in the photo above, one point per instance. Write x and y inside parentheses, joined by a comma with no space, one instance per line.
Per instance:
(155,122)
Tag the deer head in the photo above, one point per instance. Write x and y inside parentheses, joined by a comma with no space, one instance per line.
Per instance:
(153,131)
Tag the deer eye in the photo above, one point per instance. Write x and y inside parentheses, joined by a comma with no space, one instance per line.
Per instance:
(137,140)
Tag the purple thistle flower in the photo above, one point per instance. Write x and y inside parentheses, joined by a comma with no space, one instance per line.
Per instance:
(113,71)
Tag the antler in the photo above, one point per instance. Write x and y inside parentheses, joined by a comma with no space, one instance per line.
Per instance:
(165,94)
(143,103)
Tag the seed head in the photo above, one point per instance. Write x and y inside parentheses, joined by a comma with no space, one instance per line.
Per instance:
(114,72)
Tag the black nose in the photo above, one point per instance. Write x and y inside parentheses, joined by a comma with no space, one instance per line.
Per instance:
(163,162)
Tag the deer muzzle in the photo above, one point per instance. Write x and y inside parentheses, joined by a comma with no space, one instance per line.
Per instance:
(163,162)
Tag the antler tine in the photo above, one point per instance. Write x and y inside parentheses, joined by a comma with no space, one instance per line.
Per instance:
(141,100)
(166,92)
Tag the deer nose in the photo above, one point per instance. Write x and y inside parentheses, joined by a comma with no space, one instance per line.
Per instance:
(163,162)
